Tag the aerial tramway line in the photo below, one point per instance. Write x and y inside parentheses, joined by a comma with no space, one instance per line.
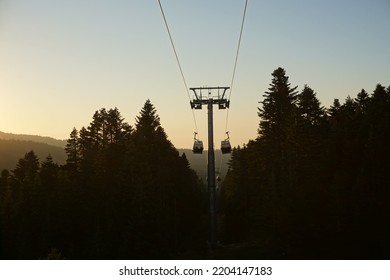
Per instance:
(197,103)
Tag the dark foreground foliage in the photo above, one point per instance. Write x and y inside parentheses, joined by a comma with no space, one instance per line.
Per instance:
(316,182)
(124,193)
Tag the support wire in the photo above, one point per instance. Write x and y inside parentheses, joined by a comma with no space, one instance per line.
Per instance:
(178,62)
(235,61)
(234,73)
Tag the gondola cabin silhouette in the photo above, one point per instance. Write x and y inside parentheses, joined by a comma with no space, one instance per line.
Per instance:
(198,147)
(226,148)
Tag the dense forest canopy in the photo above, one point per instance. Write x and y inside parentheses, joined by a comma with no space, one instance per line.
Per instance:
(315,183)
(12,146)
(124,193)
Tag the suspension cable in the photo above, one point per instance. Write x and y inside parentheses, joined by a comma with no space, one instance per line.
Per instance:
(178,63)
(235,61)
(234,72)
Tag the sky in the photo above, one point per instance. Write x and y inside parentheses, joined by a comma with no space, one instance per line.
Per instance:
(61,60)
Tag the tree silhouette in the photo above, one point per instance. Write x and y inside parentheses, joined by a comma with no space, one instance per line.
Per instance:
(314,184)
(72,150)
(26,168)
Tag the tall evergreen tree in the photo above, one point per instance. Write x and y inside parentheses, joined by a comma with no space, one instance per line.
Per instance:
(309,106)
(148,128)
(72,150)
(312,130)
(166,197)
(278,126)
(4,177)
(27,168)
(48,172)
(278,110)
(362,101)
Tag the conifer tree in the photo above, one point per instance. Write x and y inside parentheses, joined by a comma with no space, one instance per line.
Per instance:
(72,150)
(309,106)
(278,107)
(362,101)
(148,128)
(27,168)
(48,172)
(166,197)
(278,127)
(312,127)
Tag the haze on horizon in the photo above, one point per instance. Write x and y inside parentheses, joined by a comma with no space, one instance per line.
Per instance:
(61,61)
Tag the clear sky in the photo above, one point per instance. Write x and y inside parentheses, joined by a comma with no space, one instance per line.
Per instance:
(61,60)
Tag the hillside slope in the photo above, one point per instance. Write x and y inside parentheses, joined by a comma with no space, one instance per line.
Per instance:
(15,146)
(199,162)
(34,138)
(12,150)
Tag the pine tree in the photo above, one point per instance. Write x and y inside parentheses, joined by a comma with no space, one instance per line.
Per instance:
(309,106)
(72,150)
(311,131)
(278,126)
(166,196)
(97,129)
(362,101)
(259,188)
(27,168)
(148,128)
(4,177)
(334,109)
(278,108)
(49,172)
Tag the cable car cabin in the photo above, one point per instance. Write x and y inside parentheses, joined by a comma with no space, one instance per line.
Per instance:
(225,147)
(198,147)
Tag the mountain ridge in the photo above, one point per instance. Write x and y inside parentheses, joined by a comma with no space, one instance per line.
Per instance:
(15,146)
(34,138)
(11,150)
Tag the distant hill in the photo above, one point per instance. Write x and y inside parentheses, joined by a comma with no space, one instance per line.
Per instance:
(199,162)
(34,138)
(13,150)
(15,146)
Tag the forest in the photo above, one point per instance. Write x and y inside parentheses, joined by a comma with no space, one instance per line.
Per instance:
(314,184)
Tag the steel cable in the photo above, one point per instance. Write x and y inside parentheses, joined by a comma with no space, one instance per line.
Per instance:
(178,62)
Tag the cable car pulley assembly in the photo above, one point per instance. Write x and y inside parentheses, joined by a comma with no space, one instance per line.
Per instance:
(197,103)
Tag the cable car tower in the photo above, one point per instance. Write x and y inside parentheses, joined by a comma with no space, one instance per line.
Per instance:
(197,103)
